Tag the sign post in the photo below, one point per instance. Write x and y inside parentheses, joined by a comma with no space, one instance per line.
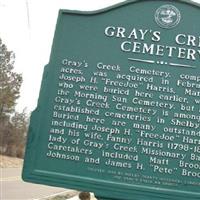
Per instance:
(119,107)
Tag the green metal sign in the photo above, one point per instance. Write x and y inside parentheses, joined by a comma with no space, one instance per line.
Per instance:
(119,108)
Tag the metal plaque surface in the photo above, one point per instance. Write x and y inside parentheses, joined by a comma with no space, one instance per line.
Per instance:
(119,107)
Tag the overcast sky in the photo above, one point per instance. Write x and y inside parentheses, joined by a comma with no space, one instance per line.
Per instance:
(27,28)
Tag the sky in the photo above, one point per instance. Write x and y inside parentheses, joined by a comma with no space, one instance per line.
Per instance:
(27,28)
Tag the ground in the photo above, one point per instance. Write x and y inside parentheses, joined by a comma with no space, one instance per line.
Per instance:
(10,162)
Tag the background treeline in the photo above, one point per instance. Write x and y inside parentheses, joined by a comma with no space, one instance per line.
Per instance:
(13,125)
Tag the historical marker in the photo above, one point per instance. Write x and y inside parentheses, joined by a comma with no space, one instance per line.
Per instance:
(119,107)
